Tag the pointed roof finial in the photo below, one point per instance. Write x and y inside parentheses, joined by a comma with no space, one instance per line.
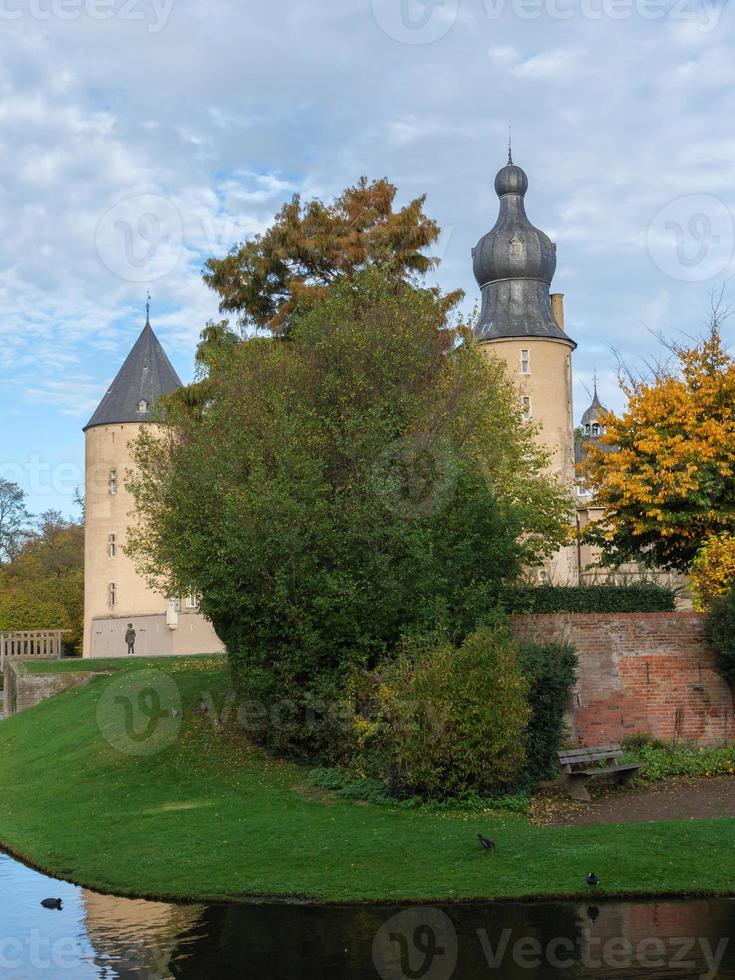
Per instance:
(510,150)
(148,309)
(594,381)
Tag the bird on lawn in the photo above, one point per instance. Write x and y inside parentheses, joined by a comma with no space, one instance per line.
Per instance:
(487,845)
(51,903)
(592,879)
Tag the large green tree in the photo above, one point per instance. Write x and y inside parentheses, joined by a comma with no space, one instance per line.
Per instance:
(309,247)
(14,519)
(370,477)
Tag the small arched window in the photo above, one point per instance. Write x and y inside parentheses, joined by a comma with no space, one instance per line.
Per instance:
(595,429)
(142,405)
(587,430)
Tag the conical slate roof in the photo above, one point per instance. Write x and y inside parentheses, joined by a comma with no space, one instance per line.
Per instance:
(146,375)
(514,264)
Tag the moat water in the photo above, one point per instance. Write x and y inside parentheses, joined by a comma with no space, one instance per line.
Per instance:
(103,936)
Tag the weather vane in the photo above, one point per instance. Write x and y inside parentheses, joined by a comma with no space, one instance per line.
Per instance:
(510,154)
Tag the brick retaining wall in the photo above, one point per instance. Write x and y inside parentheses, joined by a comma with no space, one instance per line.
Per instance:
(640,672)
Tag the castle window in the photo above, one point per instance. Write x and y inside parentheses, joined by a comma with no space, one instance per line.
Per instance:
(516,247)
(587,429)
(113,482)
(525,362)
(526,407)
(112,595)
(192,601)
(111,544)
(595,429)
(142,405)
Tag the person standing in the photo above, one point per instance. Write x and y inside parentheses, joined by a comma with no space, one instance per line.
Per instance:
(130,639)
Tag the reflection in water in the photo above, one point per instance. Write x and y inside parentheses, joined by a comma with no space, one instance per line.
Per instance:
(102,936)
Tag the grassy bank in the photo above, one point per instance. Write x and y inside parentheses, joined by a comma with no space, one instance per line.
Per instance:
(207,817)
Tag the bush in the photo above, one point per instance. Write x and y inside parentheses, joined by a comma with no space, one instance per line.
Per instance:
(638,597)
(722,634)
(713,570)
(550,672)
(450,721)
(662,761)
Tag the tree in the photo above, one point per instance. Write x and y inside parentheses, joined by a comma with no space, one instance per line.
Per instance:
(14,519)
(664,473)
(713,570)
(367,478)
(43,586)
(309,248)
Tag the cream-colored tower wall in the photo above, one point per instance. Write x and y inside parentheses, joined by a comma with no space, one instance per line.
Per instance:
(107,513)
(542,372)
(541,369)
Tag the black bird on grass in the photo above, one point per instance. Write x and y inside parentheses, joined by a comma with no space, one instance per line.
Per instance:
(51,903)
(487,845)
(592,879)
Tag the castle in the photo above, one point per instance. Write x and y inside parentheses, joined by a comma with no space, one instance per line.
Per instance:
(521,322)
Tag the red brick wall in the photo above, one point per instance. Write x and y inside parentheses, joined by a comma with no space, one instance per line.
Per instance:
(640,672)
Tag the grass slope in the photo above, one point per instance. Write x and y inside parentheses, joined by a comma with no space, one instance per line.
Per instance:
(209,818)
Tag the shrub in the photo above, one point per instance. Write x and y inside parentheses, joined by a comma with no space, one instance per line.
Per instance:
(637,597)
(722,634)
(450,721)
(713,570)
(550,672)
(662,761)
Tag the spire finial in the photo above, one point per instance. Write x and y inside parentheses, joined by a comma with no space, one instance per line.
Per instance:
(148,309)
(594,382)
(510,149)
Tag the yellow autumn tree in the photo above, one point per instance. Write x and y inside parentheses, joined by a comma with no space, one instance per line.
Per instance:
(713,570)
(664,473)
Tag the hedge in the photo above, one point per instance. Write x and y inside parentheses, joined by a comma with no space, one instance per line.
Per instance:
(550,670)
(641,597)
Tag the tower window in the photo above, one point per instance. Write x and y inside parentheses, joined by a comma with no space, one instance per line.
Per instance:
(142,405)
(587,429)
(113,482)
(192,601)
(526,407)
(111,595)
(516,247)
(525,362)
(111,545)
(595,429)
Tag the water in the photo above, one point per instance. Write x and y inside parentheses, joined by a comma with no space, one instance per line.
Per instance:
(103,936)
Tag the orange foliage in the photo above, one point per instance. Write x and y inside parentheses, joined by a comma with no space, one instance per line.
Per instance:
(665,473)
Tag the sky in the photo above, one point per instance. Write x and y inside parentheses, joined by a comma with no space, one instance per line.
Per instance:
(140,137)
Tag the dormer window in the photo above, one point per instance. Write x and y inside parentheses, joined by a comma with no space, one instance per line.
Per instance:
(142,405)
(516,247)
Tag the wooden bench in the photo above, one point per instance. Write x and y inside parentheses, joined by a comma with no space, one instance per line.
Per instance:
(577,769)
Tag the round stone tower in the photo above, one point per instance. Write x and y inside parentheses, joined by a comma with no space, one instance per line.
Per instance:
(113,591)
(523,324)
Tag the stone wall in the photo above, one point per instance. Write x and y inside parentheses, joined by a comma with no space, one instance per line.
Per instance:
(640,672)
(22,689)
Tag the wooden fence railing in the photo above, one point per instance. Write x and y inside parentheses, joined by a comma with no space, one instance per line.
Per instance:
(44,644)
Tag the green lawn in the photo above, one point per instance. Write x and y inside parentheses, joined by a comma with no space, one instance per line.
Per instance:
(209,818)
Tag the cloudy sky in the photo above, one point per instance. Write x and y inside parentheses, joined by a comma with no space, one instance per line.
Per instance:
(138,137)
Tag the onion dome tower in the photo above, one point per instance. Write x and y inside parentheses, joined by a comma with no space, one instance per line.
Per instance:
(520,321)
(523,324)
